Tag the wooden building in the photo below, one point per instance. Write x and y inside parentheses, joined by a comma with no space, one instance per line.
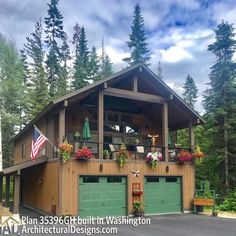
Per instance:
(126,107)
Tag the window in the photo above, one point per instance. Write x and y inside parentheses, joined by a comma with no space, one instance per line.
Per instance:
(171,179)
(91,179)
(23,150)
(131,130)
(113,117)
(115,179)
(152,179)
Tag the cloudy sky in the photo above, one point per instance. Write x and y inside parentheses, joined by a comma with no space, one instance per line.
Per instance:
(178,31)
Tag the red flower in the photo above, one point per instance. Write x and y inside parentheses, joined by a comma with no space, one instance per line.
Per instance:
(84,152)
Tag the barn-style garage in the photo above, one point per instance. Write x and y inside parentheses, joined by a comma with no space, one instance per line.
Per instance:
(102,196)
(162,194)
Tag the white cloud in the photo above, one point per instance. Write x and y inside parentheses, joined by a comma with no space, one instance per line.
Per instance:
(175,54)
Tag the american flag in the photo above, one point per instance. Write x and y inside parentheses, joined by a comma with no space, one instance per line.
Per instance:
(38,141)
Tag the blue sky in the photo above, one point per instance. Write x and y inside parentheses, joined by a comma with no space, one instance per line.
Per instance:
(178,31)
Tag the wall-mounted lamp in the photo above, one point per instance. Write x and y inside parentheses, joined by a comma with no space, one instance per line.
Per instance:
(101,167)
(167,169)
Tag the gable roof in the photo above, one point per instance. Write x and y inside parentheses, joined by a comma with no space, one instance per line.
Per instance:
(140,67)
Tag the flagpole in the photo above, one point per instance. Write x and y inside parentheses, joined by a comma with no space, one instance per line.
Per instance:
(47,138)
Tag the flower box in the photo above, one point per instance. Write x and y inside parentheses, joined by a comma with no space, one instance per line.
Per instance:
(137,192)
(203,202)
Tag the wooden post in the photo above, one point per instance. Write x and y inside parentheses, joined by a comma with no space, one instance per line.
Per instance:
(135,84)
(7,190)
(100,123)
(165,130)
(191,135)
(61,137)
(16,193)
(1,186)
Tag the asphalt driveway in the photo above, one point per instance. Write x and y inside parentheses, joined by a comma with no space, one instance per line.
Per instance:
(165,225)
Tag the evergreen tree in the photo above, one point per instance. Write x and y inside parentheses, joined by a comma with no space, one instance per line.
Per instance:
(159,71)
(220,103)
(76,37)
(65,56)
(54,32)
(190,91)
(137,44)
(81,62)
(12,95)
(94,66)
(39,96)
(106,65)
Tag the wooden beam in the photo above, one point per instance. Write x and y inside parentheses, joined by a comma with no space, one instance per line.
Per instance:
(165,130)
(135,84)
(7,200)
(61,127)
(100,123)
(16,194)
(133,95)
(191,135)
(61,137)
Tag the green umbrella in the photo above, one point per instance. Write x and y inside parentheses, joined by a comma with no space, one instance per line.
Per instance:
(86,130)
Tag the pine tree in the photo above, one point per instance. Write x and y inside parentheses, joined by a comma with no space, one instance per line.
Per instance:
(159,71)
(94,66)
(54,32)
(64,74)
(76,37)
(11,93)
(38,89)
(106,65)
(220,106)
(137,44)
(190,91)
(81,61)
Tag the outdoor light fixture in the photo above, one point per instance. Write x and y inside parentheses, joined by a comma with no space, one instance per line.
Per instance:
(101,167)
(167,169)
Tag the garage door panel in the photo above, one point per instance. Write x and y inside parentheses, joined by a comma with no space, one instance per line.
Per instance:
(162,195)
(105,197)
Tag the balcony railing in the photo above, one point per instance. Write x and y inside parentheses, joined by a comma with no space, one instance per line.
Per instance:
(136,152)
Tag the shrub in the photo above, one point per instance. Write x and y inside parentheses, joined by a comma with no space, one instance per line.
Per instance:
(229,203)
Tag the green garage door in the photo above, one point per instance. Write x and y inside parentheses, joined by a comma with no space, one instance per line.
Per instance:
(162,195)
(102,196)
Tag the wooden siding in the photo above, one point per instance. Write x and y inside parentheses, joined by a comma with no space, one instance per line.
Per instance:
(73,169)
(39,186)
(46,126)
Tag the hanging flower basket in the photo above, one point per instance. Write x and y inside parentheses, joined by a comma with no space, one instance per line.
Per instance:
(137,192)
(83,154)
(65,151)
(153,158)
(184,156)
(122,156)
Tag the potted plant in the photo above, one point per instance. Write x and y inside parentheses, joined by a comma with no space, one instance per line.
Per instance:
(184,156)
(65,150)
(122,156)
(137,211)
(106,154)
(76,135)
(83,154)
(153,158)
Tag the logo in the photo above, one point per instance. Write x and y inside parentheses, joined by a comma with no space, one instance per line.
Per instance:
(10,225)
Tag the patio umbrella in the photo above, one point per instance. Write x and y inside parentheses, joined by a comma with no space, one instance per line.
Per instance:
(86,130)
